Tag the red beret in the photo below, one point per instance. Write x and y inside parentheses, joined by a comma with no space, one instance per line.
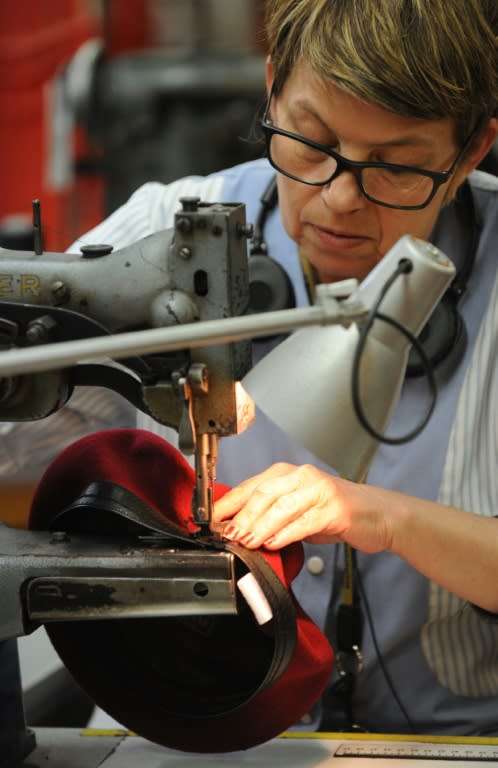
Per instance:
(199,684)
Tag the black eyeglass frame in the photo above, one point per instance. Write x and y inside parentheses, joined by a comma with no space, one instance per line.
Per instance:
(356,166)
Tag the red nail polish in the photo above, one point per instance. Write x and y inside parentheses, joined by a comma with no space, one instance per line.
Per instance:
(230,532)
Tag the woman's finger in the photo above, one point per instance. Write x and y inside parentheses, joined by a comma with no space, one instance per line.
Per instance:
(235,499)
(275,505)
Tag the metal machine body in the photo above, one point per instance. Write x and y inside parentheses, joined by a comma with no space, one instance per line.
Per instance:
(54,576)
(196,271)
(194,276)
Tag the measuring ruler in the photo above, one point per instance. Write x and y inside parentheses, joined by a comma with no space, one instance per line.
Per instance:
(413,749)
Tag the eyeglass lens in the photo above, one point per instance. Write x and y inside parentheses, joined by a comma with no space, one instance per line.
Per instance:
(391,186)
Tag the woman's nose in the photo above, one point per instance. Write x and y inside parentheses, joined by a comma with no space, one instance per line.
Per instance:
(343,193)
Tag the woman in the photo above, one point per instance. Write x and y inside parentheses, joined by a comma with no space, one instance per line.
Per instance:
(390,82)
(378,112)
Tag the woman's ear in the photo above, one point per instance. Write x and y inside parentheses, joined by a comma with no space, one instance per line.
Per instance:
(479,149)
(269,74)
(481,146)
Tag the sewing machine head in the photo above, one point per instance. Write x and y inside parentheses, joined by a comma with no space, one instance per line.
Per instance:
(195,271)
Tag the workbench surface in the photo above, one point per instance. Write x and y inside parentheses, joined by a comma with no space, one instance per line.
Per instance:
(67,748)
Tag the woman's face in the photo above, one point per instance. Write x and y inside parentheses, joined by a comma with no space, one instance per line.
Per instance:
(339,231)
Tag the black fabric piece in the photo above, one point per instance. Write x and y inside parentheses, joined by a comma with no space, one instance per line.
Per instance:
(191,667)
(103,502)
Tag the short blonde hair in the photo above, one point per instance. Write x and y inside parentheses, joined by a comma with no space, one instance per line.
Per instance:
(417,58)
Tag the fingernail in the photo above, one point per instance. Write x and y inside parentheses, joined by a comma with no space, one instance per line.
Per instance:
(270,541)
(230,532)
(247,538)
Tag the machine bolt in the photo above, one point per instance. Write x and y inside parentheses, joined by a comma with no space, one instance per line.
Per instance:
(40,330)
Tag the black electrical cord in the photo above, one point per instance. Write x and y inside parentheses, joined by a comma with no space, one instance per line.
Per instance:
(380,658)
(404,266)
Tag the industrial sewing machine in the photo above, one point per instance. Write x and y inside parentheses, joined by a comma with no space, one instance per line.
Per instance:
(177,302)
(194,272)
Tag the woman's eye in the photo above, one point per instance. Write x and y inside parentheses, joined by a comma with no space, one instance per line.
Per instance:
(311,154)
(397,172)
(409,162)
(315,134)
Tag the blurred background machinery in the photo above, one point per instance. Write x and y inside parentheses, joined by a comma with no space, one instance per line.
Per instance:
(102,95)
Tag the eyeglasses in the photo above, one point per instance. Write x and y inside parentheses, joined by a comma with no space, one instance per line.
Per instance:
(403,187)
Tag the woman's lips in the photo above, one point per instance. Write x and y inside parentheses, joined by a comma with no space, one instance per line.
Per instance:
(335,238)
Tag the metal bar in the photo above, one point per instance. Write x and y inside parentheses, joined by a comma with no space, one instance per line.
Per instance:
(105,597)
(89,576)
(192,335)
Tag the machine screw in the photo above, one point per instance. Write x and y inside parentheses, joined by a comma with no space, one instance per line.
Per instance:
(59,536)
(185,253)
(245,230)
(198,377)
(184,225)
(60,292)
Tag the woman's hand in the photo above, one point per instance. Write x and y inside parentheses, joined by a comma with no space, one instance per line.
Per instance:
(287,503)
(455,548)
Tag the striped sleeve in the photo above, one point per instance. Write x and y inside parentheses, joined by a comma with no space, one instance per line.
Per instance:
(150,209)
